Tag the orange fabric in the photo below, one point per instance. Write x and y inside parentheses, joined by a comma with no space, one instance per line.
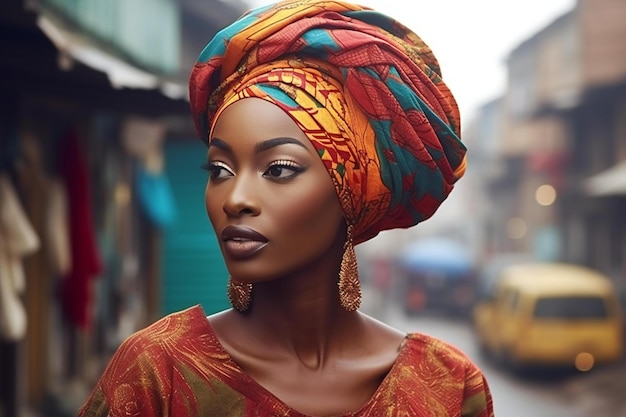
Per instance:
(177,367)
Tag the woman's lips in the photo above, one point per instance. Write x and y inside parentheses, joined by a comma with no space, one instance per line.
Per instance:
(242,242)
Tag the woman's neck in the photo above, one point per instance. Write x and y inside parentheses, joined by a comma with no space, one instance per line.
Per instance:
(302,318)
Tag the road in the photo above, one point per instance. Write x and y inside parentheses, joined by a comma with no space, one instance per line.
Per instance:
(600,393)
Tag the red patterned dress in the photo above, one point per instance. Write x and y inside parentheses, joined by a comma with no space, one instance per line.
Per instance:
(177,367)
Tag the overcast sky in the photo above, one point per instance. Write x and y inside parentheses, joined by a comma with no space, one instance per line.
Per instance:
(471,39)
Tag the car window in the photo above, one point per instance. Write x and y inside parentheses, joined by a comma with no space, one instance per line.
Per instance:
(570,308)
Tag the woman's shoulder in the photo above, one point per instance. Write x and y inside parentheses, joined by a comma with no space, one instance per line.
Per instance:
(162,346)
(448,372)
(143,370)
(184,327)
(421,347)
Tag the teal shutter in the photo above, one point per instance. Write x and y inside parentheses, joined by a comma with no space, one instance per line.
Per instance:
(193,268)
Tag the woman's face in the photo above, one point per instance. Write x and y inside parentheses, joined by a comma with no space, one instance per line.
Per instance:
(269,197)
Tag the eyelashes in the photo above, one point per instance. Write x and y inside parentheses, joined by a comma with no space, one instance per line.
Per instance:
(283,170)
(280,170)
(217,170)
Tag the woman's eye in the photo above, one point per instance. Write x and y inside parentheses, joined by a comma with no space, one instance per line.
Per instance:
(217,170)
(283,170)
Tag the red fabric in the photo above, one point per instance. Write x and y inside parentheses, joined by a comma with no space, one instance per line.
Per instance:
(177,367)
(75,291)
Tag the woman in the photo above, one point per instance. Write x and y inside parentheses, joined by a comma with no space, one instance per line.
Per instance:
(285,96)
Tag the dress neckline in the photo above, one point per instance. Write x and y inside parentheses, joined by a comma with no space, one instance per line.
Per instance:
(261,393)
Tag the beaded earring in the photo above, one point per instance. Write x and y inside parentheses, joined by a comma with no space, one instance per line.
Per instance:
(349,285)
(239,294)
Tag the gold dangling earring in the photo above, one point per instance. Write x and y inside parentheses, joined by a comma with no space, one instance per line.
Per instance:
(239,294)
(349,285)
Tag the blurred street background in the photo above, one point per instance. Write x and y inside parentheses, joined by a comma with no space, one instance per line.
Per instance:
(102,222)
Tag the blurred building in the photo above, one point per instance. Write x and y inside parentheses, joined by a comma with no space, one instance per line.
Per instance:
(93,97)
(555,143)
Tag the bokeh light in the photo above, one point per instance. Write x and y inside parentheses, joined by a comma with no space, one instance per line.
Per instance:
(545,195)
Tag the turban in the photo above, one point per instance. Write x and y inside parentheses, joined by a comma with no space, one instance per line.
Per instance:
(365,90)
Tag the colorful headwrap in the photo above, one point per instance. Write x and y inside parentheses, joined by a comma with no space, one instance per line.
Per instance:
(365,90)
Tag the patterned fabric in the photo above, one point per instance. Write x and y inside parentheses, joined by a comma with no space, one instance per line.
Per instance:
(177,367)
(366,91)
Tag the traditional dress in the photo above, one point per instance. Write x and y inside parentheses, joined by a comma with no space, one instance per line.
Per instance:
(177,367)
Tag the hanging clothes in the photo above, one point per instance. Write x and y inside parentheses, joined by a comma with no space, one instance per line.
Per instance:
(17,240)
(44,200)
(57,228)
(155,197)
(86,264)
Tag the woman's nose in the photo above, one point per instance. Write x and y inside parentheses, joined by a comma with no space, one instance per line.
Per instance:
(242,198)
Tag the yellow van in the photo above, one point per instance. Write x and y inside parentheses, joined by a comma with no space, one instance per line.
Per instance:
(551,314)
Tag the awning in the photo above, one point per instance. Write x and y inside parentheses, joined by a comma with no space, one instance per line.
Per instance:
(609,182)
(74,46)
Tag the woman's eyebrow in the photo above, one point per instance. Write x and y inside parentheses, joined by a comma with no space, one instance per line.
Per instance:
(218,143)
(271,143)
(260,147)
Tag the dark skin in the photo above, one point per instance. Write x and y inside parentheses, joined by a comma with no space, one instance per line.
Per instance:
(295,340)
